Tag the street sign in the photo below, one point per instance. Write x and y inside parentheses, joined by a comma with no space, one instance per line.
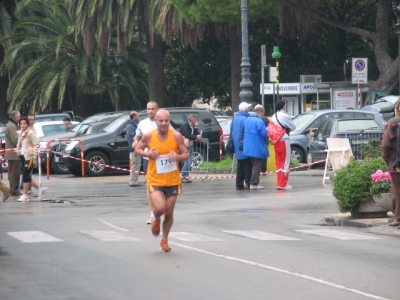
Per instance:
(359,70)
(263,57)
(272,74)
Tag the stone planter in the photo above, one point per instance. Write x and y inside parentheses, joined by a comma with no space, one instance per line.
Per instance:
(376,207)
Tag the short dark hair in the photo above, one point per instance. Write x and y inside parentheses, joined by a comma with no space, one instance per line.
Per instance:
(280,104)
(67,119)
(24,118)
(132,114)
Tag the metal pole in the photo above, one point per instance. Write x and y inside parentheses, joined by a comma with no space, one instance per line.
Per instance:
(396,9)
(246,94)
(263,65)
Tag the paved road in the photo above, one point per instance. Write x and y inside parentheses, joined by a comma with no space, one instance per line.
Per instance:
(226,244)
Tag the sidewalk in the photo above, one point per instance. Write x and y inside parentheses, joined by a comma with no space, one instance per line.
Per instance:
(345,219)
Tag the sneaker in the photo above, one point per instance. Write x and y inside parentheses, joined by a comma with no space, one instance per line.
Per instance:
(288,187)
(256,187)
(23,198)
(186,180)
(42,192)
(155,228)
(150,220)
(164,246)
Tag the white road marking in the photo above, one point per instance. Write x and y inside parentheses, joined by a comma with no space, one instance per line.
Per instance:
(111,225)
(193,237)
(345,236)
(33,237)
(314,279)
(109,236)
(261,235)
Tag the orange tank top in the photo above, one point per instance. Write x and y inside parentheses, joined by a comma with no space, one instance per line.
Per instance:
(164,147)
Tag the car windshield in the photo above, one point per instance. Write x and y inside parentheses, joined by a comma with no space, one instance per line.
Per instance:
(346,125)
(302,120)
(114,125)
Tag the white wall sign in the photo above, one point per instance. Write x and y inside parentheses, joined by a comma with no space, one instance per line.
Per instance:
(359,70)
(272,74)
(344,99)
(284,89)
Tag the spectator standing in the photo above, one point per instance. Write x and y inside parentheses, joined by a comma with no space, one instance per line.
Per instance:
(282,147)
(163,176)
(14,162)
(67,123)
(190,132)
(131,127)
(255,144)
(229,111)
(390,153)
(31,120)
(266,122)
(243,170)
(29,144)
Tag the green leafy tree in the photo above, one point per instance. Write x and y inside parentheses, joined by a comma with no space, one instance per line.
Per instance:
(6,17)
(51,63)
(378,34)
(96,20)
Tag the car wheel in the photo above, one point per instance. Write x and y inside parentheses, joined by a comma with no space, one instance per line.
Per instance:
(59,169)
(297,154)
(309,161)
(75,172)
(198,157)
(93,169)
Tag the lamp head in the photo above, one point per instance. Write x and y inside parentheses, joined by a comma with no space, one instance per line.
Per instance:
(276,54)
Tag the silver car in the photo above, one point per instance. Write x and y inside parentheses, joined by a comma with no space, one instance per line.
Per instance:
(299,139)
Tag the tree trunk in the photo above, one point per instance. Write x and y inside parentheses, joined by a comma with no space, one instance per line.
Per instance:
(3,91)
(235,40)
(83,104)
(155,57)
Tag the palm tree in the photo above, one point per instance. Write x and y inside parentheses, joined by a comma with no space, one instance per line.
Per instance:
(6,10)
(95,22)
(52,64)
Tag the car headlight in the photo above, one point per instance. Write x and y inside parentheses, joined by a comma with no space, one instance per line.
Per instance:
(71,146)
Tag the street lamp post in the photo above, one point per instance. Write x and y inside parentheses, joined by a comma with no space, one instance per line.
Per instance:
(396,9)
(246,93)
(115,61)
(277,55)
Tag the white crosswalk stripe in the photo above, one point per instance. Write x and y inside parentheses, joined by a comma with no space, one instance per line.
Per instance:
(192,237)
(340,235)
(109,236)
(33,237)
(261,235)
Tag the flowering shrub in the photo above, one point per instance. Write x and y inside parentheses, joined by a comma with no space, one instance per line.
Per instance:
(381,183)
(352,184)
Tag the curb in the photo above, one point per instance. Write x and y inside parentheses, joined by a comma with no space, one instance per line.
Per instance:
(347,220)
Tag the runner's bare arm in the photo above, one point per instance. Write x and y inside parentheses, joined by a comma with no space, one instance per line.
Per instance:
(143,144)
(183,152)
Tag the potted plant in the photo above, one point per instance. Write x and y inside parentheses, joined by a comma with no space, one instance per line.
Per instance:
(355,188)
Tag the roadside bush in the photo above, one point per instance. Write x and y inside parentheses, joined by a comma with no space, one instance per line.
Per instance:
(352,184)
(371,150)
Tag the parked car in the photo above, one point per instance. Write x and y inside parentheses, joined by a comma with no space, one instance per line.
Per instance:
(357,130)
(90,125)
(299,139)
(50,127)
(109,146)
(384,105)
(57,117)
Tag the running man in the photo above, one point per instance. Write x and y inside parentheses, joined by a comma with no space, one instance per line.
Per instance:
(163,177)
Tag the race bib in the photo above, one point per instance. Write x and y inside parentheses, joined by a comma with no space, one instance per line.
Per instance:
(164,164)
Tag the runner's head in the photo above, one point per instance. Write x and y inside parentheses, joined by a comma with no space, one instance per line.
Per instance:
(152,108)
(162,119)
